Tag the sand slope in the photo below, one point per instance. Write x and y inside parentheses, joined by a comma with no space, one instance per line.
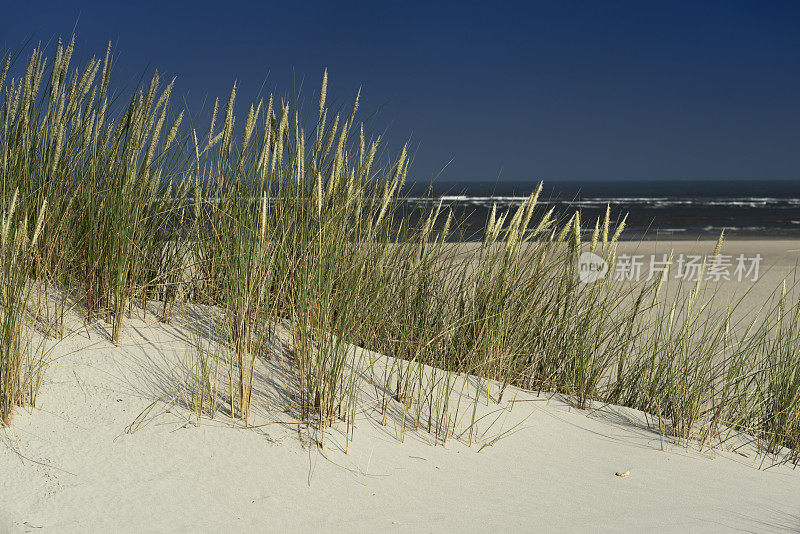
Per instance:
(552,468)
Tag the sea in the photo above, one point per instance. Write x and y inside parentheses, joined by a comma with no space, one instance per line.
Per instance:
(655,209)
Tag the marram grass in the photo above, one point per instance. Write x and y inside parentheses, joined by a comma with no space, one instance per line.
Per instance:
(290,222)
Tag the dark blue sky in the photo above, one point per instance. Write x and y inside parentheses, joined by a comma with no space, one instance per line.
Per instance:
(559,90)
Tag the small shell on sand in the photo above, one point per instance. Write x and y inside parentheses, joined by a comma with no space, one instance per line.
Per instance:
(623,474)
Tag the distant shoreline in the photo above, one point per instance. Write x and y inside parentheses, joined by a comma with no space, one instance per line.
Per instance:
(681,210)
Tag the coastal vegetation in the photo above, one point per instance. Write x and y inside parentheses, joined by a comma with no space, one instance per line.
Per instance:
(115,199)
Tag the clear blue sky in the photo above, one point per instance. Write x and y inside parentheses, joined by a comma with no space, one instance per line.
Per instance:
(558,90)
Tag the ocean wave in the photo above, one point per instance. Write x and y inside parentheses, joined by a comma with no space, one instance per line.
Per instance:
(734,228)
(646,202)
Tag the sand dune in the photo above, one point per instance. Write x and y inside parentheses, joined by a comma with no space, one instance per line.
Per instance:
(112,447)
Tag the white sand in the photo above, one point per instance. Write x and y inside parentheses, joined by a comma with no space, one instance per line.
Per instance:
(70,466)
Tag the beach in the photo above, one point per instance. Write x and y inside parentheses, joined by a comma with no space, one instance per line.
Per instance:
(113,445)
(274,323)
